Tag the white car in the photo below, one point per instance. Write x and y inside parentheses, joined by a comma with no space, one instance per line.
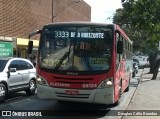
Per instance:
(17,74)
(143,60)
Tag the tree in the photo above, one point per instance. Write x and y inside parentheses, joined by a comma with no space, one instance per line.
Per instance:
(141,21)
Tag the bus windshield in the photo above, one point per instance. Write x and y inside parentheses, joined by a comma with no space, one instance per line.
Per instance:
(76,48)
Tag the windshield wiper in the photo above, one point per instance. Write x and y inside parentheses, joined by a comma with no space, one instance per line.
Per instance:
(61,60)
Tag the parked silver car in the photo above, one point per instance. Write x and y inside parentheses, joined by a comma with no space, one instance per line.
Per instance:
(16,74)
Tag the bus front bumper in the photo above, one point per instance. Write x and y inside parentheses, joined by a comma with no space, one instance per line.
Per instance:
(99,96)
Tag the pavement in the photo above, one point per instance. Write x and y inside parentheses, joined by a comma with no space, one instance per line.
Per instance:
(145,103)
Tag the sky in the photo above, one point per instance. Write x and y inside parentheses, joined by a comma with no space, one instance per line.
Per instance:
(102,10)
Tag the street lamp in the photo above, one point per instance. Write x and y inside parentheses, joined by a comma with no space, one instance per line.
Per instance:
(54,8)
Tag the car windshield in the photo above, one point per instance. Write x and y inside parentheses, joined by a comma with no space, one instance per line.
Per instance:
(3,63)
(76,48)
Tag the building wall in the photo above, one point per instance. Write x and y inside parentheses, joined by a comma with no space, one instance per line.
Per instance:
(19,17)
(67,10)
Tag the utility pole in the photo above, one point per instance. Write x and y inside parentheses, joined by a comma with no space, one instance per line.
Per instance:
(53,10)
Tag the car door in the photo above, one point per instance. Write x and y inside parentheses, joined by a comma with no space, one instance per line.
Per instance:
(15,78)
(25,71)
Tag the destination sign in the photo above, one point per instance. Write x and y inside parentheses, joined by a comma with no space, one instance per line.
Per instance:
(67,34)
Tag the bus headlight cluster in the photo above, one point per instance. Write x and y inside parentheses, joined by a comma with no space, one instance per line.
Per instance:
(106,83)
(41,81)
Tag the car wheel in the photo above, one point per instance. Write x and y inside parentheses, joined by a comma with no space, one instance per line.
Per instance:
(3,92)
(32,87)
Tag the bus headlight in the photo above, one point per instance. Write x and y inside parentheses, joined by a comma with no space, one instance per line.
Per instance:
(41,81)
(106,83)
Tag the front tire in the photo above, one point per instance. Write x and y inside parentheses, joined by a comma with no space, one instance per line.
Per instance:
(127,89)
(3,92)
(32,87)
(120,94)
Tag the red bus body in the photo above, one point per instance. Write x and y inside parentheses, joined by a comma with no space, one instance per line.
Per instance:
(100,88)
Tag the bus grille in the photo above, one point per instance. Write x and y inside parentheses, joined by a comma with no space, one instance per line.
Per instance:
(83,96)
(73,80)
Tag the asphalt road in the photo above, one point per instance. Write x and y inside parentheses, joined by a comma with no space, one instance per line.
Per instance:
(19,101)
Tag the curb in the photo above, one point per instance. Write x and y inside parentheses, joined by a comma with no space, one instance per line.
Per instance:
(133,96)
(140,80)
(134,93)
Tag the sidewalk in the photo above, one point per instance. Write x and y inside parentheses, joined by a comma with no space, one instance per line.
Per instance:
(146,97)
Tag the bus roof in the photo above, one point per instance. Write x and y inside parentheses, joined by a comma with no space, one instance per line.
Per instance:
(91,23)
(79,23)
(123,33)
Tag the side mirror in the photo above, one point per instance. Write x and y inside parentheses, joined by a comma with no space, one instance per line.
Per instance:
(12,70)
(34,33)
(120,47)
(30,43)
(30,47)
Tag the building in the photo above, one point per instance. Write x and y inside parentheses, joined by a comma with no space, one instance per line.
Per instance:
(19,17)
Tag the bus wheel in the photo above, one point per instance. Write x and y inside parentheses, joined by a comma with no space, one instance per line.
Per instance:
(120,89)
(119,95)
(127,89)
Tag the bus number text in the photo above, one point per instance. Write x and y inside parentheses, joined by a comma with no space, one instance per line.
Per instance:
(89,85)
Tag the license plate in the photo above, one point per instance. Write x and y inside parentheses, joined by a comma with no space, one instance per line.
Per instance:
(72,92)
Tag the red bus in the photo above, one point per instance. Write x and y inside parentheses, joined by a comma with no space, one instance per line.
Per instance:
(83,62)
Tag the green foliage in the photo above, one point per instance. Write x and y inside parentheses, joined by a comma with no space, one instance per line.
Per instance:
(140,19)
